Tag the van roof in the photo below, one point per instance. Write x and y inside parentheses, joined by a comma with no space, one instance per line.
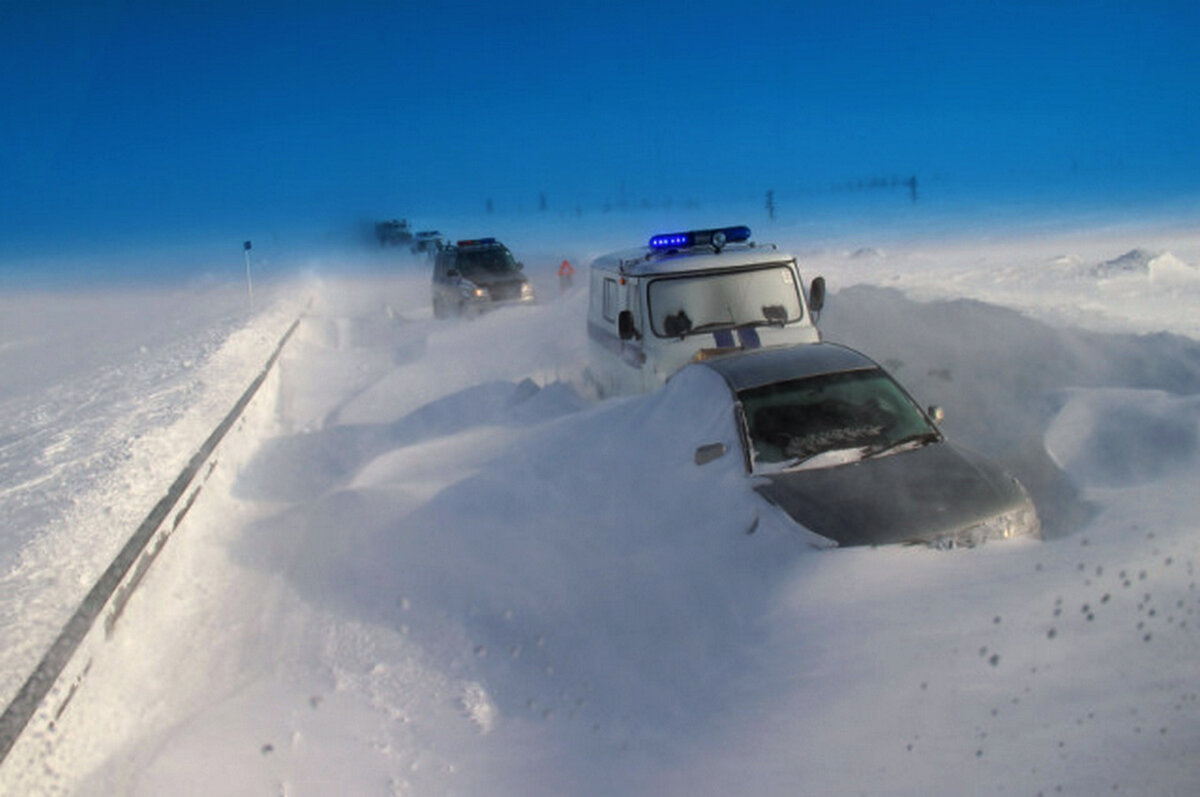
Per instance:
(644,261)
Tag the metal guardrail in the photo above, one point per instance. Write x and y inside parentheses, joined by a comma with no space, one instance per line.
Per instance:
(117,584)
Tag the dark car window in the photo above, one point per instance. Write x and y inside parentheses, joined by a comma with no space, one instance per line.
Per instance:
(495,260)
(800,418)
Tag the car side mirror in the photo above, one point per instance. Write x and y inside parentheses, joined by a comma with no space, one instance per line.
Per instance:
(625,328)
(816,295)
(451,272)
(520,266)
(708,452)
(936,414)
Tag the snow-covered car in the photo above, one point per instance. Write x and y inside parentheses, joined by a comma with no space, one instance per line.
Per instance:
(393,232)
(427,242)
(835,442)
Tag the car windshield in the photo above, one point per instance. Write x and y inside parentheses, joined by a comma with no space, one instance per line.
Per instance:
(791,422)
(493,260)
(685,305)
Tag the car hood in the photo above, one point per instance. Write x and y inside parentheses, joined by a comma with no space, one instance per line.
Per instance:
(911,496)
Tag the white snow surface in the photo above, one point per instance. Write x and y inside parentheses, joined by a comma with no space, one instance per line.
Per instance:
(427,563)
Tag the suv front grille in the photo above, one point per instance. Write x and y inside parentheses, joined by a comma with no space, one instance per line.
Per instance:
(505,291)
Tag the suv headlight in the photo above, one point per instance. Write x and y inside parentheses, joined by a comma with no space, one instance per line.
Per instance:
(526,290)
(473,291)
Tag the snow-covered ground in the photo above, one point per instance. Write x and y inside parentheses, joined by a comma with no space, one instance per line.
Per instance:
(426,564)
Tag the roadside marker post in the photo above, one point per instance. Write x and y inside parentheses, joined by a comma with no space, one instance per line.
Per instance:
(249,282)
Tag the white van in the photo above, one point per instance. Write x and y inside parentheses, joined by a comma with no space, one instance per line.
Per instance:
(691,295)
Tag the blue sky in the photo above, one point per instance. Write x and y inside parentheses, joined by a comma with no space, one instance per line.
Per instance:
(143,119)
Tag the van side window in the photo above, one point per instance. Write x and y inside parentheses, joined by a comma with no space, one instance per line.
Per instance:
(610,300)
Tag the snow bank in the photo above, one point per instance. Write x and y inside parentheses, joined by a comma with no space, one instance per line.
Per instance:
(1091,280)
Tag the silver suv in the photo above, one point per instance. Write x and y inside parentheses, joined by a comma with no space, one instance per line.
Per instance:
(476,275)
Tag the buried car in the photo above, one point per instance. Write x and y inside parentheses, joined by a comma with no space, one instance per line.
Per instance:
(837,444)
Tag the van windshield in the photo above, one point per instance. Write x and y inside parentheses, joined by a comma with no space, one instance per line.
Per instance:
(695,303)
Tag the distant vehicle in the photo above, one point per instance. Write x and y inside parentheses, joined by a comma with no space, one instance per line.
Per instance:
(427,242)
(393,232)
(690,295)
(844,451)
(475,275)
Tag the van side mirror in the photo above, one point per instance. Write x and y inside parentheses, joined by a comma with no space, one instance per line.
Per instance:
(707,453)
(625,328)
(816,295)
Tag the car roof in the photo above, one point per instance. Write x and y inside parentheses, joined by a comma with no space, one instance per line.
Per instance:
(644,261)
(758,367)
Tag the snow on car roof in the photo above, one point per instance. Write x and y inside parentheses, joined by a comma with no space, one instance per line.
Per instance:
(779,363)
(644,261)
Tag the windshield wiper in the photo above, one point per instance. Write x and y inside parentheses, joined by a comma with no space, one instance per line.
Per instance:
(717,326)
(764,322)
(710,327)
(918,440)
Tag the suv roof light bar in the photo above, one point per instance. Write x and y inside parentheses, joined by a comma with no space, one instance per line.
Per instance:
(476,241)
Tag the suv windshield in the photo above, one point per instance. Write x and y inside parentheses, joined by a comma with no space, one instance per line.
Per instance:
(683,305)
(790,422)
(492,260)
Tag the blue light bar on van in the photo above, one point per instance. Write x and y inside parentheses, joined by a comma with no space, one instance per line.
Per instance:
(674,240)
(684,240)
(477,241)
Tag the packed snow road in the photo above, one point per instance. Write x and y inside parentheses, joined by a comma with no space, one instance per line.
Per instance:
(428,565)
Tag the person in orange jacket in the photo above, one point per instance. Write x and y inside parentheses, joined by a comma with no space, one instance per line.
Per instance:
(566,274)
